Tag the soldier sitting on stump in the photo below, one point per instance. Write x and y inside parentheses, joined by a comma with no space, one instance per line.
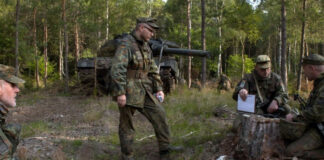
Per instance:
(271,96)
(309,143)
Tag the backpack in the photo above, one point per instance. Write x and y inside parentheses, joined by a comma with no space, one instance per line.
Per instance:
(104,58)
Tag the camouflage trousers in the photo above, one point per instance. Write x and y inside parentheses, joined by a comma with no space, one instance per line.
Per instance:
(9,140)
(155,114)
(309,146)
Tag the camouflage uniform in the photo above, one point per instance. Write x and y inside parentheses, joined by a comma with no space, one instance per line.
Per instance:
(310,144)
(135,74)
(9,133)
(224,83)
(271,88)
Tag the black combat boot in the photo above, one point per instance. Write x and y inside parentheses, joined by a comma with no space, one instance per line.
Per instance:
(165,154)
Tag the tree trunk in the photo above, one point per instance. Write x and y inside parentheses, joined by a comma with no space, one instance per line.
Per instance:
(45,53)
(301,47)
(306,54)
(258,138)
(203,41)
(35,49)
(289,58)
(219,18)
(17,38)
(66,51)
(278,69)
(295,58)
(243,58)
(283,44)
(107,19)
(61,55)
(189,39)
(76,43)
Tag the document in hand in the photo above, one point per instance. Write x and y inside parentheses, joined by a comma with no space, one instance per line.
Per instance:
(248,105)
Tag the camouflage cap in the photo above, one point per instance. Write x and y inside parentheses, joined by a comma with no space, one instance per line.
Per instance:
(7,73)
(314,59)
(149,21)
(263,61)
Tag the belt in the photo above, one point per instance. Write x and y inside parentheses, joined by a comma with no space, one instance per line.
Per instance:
(136,74)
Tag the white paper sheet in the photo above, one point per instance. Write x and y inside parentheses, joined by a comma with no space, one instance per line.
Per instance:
(247,105)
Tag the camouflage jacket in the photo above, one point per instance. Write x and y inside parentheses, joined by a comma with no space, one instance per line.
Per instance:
(9,135)
(271,88)
(134,72)
(3,114)
(314,109)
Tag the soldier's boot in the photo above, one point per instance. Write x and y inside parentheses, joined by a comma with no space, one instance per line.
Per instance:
(165,154)
(314,154)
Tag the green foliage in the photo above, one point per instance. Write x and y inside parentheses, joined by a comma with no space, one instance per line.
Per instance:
(190,116)
(34,128)
(235,65)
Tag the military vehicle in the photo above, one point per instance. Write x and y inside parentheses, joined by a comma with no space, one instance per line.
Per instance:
(163,52)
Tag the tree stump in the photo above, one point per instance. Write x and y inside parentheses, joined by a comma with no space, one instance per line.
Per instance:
(259,138)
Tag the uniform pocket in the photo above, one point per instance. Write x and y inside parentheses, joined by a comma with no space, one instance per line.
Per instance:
(135,93)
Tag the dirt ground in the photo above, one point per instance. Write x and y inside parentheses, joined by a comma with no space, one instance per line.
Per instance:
(74,131)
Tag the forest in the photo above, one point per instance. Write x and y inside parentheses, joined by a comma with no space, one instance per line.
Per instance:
(45,39)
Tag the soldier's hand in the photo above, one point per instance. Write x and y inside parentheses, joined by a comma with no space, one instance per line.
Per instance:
(121,100)
(243,94)
(289,117)
(273,106)
(160,94)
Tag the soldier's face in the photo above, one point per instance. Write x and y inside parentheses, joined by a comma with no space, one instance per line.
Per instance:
(264,73)
(147,32)
(308,71)
(8,93)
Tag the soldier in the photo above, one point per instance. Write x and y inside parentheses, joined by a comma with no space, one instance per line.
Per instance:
(310,144)
(9,133)
(135,79)
(271,97)
(224,83)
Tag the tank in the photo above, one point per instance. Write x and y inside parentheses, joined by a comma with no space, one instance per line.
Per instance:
(163,54)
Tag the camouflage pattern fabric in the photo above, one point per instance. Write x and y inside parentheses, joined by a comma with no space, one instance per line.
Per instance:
(9,135)
(271,88)
(135,74)
(155,114)
(291,130)
(312,114)
(7,73)
(134,54)
(224,83)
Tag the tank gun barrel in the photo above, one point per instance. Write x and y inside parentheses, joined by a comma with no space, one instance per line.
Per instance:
(180,51)
(171,48)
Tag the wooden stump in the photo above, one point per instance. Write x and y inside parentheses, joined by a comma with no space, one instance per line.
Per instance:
(259,138)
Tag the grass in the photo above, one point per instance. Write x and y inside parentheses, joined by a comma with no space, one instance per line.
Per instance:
(93,115)
(34,128)
(189,114)
(190,118)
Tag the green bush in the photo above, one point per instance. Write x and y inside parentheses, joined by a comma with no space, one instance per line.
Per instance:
(235,65)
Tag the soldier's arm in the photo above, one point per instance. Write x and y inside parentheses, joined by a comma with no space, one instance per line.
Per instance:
(315,113)
(155,77)
(118,71)
(243,84)
(281,95)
